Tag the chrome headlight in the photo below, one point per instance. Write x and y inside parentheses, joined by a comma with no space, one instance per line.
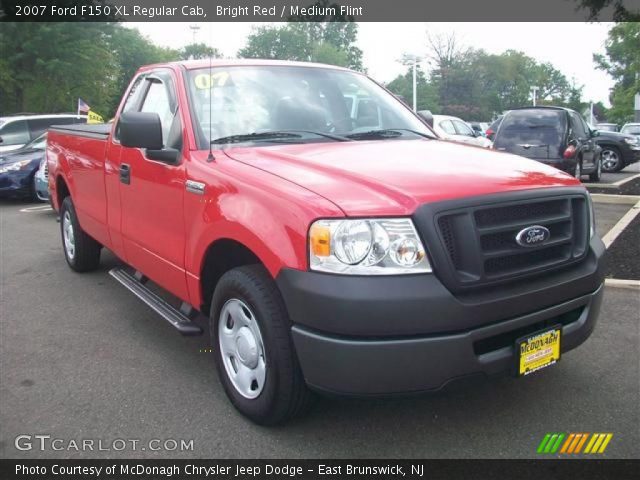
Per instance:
(15,166)
(384,246)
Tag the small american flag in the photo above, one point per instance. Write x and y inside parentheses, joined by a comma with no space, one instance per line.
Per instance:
(83,107)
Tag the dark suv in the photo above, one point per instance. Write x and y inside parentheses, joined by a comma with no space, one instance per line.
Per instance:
(553,135)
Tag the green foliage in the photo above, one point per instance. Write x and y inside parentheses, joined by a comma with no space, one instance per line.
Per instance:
(475,85)
(427,95)
(198,51)
(329,42)
(45,67)
(622,61)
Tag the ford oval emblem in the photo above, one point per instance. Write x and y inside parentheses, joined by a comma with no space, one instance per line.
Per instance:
(533,236)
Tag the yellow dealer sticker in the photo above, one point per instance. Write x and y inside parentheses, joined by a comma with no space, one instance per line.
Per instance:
(538,351)
(204,81)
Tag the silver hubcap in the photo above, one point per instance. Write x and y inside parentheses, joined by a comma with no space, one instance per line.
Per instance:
(242,348)
(610,159)
(69,238)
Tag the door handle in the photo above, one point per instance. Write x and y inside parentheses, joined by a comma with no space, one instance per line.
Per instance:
(125,173)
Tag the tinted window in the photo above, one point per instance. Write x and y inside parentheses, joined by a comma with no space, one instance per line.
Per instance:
(579,129)
(15,133)
(535,133)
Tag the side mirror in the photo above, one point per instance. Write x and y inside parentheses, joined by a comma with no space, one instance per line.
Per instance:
(427,116)
(144,130)
(1,140)
(595,133)
(140,130)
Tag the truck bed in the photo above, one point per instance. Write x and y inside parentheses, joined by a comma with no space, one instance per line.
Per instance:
(98,131)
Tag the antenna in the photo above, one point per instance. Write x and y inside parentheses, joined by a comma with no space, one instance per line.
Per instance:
(210,158)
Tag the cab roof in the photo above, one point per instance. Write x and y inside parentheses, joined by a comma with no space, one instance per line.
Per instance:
(223,62)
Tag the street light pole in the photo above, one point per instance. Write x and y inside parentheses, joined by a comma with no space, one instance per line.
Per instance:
(535,94)
(194,30)
(415,86)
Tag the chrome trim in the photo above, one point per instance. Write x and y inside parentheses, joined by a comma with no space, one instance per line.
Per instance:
(195,187)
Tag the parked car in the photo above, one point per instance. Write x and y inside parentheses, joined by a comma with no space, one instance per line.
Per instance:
(608,127)
(357,263)
(18,130)
(555,136)
(631,129)
(490,133)
(618,150)
(480,128)
(457,130)
(18,169)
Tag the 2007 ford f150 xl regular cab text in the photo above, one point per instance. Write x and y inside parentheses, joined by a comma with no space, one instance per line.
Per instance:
(333,241)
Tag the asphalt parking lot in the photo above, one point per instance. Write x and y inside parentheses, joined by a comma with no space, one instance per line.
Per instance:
(625,173)
(80,357)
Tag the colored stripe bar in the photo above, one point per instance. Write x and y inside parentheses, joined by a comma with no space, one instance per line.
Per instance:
(591,442)
(543,443)
(607,439)
(550,443)
(567,443)
(581,442)
(555,447)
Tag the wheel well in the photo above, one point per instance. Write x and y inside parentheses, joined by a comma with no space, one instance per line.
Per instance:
(222,256)
(62,190)
(609,146)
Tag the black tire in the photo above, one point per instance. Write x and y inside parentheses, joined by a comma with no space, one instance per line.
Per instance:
(33,196)
(577,169)
(595,176)
(86,254)
(612,159)
(284,394)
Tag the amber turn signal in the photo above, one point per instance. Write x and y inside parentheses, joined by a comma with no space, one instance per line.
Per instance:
(320,238)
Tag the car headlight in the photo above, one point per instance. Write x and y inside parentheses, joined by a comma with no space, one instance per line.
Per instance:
(631,140)
(382,246)
(15,166)
(592,217)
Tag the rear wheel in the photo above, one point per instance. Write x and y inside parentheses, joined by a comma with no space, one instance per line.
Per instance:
(255,357)
(611,159)
(595,176)
(81,251)
(577,171)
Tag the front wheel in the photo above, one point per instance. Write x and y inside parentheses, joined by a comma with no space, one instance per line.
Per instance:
(255,357)
(81,251)
(611,160)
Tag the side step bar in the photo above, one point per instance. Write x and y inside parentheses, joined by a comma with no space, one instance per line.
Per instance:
(179,319)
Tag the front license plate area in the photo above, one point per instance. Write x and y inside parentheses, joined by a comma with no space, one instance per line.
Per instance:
(538,350)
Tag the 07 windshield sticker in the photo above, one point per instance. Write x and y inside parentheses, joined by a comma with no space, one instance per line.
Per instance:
(205,81)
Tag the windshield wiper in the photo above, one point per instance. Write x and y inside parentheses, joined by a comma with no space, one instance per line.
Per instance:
(276,135)
(387,133)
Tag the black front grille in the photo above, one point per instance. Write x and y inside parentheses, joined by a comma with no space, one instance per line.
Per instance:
(480,240)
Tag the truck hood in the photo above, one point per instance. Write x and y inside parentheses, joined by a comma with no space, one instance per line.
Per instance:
(394,177)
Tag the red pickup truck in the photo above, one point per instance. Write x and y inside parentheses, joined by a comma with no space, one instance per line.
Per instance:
(333,241)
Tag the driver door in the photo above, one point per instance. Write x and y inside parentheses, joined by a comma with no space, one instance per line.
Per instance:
(152,194)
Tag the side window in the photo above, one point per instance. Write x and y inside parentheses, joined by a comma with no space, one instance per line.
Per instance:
(447,126)
(463,128)
(133,99)
(158,101)
(577,125)
(15,133)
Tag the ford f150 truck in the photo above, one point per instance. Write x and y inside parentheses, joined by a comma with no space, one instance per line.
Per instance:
(333,249)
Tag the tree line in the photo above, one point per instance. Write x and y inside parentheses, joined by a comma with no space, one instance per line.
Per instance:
(45,67)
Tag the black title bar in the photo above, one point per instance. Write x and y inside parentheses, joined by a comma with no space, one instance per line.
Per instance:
(316,469)
(320,10)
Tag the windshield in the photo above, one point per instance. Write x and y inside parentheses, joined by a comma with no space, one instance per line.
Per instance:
(39,143)
(532,133)
(316,104)
(631,129)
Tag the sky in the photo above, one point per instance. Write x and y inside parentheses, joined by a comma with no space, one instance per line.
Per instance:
(568,46)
